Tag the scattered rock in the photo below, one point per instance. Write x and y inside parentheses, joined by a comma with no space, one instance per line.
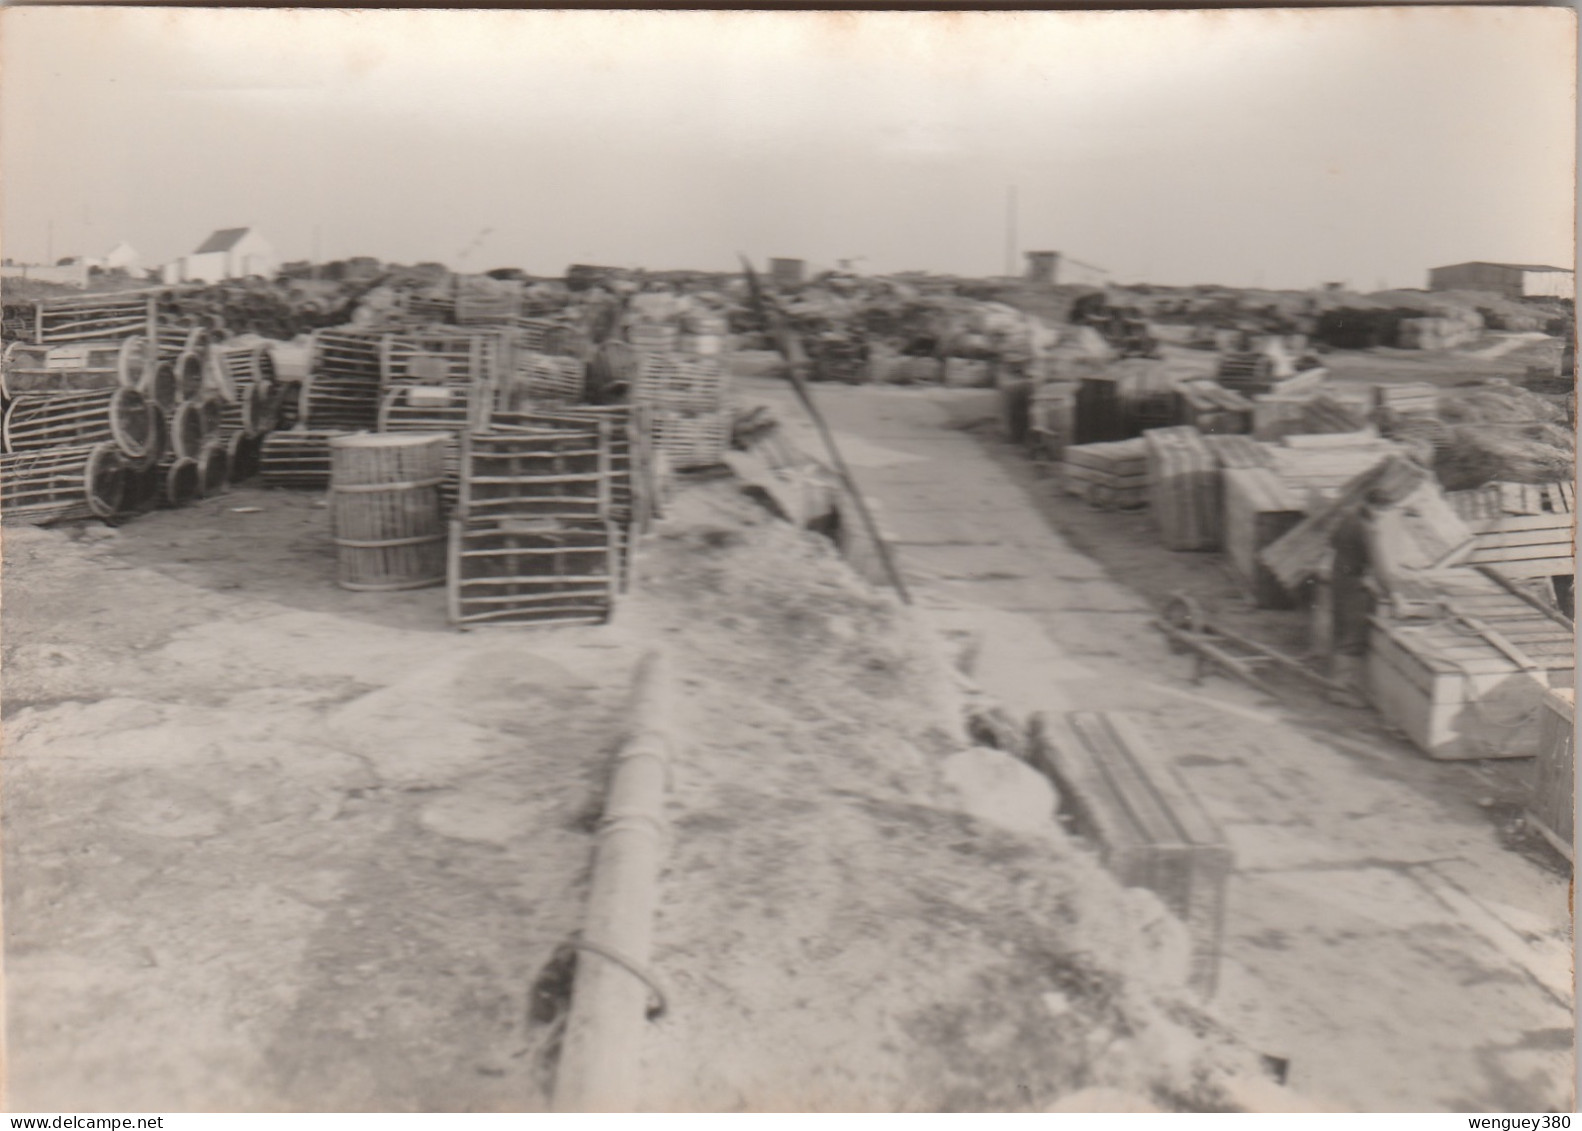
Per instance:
(1003,790)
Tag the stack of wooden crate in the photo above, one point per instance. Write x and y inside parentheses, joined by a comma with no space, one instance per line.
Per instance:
(1111,475)
(1465,673)
(1523,531)
(532,540)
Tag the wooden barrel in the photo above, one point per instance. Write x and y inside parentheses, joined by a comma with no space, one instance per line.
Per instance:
(385,509)
(81,419)
(187,429)
(180,481)
(75,367)
(214,467)
(87,481)
(296,459)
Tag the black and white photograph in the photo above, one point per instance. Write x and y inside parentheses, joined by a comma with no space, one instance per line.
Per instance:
(770,561)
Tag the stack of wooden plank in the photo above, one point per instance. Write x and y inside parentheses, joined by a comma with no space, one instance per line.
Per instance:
(1111,475)
(1213,409)
(1183,488)
(1467,678)
(1124,794)
(1259,509)
(533,541)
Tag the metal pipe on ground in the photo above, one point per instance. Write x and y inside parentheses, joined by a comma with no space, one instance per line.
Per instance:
(598,1069)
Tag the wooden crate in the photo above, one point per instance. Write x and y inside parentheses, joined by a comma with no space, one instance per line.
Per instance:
(1259,508)
(1113,475)
(1552,805)
(531,571)
(1213,409)
(1124,794)
(1467,680)
(1275,416)
(1183,488)
(1239,451)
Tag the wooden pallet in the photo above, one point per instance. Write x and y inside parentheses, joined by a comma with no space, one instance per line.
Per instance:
(531,571)
(1124,794)
(1183,488)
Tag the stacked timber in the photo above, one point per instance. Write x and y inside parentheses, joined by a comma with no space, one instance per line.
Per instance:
(1213,409)
(298,459)
(1111,475)
(1183,488)
(1259,508)
(55,484)
(1552,804)
(1468,676)
(1124,794)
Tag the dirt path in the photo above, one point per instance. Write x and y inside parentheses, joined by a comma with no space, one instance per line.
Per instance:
(1380,935)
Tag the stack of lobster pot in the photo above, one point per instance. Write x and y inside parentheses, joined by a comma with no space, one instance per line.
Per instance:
(684,393)
(549,363)
(69,452)
(249,399)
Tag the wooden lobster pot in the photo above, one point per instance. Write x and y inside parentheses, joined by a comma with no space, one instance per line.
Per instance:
(629,471)
(189,375)
(296,459)
(539,377)
(537,472)
(385,510)
(53,420)
(181,481)
(690,439)
(241,451)
(214,467)
(1553,802)
(188,429)
(679,383)
(55,484)
(652,337)
(531,571)
(1258,509)
(1183,488)
(158,440)
(94,317)
(70,368)
(1123,793)
(1470,681)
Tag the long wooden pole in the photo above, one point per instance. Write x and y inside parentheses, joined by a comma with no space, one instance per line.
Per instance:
(796,365)
(599,1057)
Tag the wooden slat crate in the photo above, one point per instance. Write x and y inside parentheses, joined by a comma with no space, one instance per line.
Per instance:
(441,357)
(680,383)
(542,473)
(296,459)
(1259,509)
(1552,805)
(1213,409)
(690,439)
(1467,679)
(1124,794)
(1183,488)
(95,317)
(1113,475)
(531,571)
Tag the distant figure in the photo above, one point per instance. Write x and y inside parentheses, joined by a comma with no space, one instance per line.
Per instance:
(1360,570)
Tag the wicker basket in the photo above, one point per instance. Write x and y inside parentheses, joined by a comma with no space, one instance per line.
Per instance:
(386,512)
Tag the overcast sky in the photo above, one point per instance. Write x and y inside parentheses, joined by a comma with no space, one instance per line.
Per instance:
(1247,147)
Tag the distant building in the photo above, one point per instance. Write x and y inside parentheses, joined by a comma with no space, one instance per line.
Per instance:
(1513,280)
(1057,269)
(230,253)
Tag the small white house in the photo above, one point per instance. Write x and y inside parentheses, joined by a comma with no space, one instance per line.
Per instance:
(230,253)
(122,257)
